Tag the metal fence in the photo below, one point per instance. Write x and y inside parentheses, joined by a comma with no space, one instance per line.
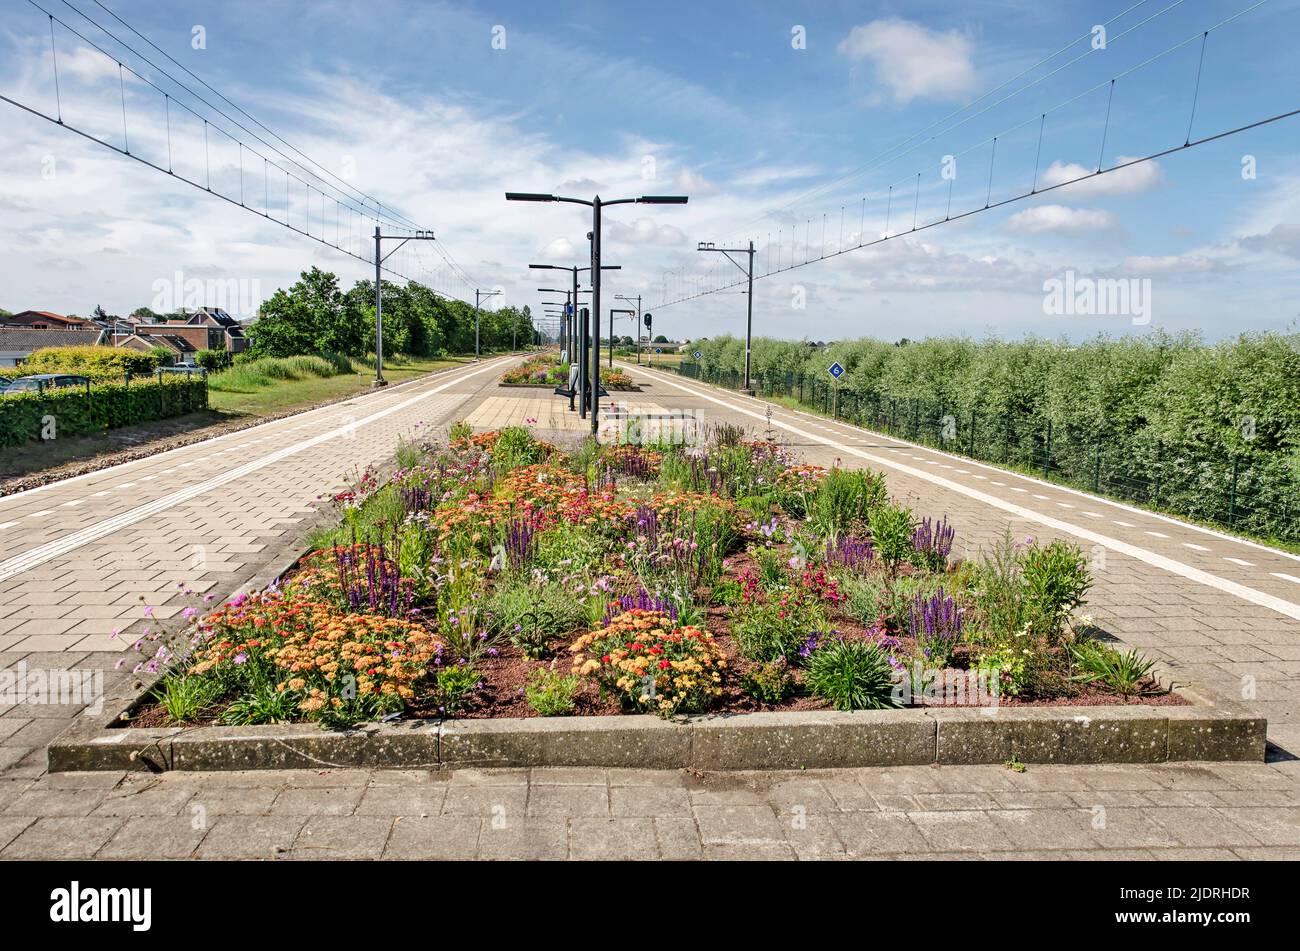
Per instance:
(1256,493)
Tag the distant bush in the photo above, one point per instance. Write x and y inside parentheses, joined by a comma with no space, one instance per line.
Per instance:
(213,360)
(98,363)
(256,374)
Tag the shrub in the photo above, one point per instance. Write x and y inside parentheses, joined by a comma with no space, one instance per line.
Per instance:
(102,364)
(1055,579)
(532,615)
(213,360)
(777,625)
(552,694)
(185,698)
(891,534)
(516,446)
(650,664)
(768,683)
(852,675)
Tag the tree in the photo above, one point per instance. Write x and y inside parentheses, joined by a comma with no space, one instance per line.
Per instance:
(660,338)
(313,316)
(146,315)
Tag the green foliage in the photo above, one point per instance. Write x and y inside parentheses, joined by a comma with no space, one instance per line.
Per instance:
(108,406)
(185,698)
(261,704)
(891,534)
(552,694)
(770,682)
(516,446)
(460,430)
(1127,674)
(101,364)
(1055,580)
(531,616)
(213,360)
(852,675)
(844,500)
(777,624)
(247,375)
(454,688)
(1161,418)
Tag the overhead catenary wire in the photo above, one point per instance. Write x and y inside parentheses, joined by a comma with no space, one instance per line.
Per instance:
(294,171)
(1041,117)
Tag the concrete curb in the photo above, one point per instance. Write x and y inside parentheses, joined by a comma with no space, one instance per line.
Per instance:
(815,740)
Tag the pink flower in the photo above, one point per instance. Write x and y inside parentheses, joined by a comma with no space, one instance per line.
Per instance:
(148,610)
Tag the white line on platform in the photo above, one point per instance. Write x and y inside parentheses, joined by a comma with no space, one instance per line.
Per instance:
(40,555)
(1252,595)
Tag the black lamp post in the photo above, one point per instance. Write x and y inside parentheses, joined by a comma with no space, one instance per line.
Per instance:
(595,205)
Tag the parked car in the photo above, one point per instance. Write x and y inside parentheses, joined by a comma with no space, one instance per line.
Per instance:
(39,382)
(4,383)
(186,368)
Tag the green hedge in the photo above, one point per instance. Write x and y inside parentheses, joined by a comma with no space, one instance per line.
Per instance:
(106,364)
(107,406)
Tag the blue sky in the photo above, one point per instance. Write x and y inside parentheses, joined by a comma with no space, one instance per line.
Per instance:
(773,117)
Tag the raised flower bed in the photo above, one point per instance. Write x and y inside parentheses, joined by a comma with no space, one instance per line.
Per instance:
(502,577)
(545,370)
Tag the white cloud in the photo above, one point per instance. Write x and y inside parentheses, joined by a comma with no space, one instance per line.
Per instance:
(1280,239)
(914,62)
(1131,180)
(1044,219)
(561,249)
(1168,264)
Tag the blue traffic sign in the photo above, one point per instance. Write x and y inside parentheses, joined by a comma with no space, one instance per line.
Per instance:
(697,354)
(836,370)
(659,349)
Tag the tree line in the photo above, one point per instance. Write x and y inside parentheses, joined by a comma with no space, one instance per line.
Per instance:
(316,315)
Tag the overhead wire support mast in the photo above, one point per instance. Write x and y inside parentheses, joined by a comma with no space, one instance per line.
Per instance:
(380,258)
(749,295)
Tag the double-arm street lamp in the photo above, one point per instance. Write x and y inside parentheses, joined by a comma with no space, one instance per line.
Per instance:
(566,330)
(578,336)
(749,296)
(380,258)
(596,204)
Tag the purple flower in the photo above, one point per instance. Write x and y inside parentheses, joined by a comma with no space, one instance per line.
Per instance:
(241,658)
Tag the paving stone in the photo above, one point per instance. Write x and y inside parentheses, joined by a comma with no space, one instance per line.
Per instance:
(62,837)
(154,838)
(342,837)
(643,801)
(318,801)
(737,824)
(436,838)
(568,801)
(613,839)
(678,838)
(251,837)
(531,838)
(417,799)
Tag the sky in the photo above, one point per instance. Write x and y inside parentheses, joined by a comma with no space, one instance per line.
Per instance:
(808,128)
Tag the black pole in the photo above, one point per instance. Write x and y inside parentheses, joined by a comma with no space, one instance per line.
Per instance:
(594,382)
(749,319)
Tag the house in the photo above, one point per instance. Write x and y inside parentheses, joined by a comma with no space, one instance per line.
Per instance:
(18,343)
(198,337)
(224,331)
(45,320)
(180,349)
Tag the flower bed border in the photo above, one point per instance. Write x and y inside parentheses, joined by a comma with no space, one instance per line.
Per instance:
(1203,730)
(634,388)
(815,740)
